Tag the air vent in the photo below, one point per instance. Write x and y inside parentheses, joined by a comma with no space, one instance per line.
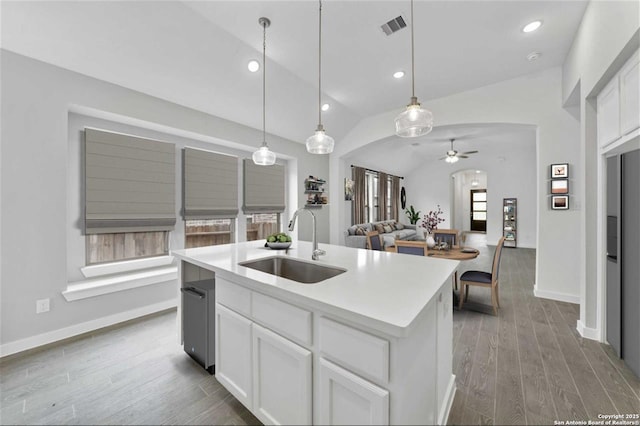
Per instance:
(394,25)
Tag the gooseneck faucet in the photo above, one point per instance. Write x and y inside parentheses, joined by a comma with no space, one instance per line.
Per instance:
(315,255)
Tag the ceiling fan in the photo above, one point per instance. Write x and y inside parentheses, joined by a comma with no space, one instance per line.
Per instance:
(453,155)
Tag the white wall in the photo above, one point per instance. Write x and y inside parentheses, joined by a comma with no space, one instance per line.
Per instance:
(608,35)
(35,169)
(535,100)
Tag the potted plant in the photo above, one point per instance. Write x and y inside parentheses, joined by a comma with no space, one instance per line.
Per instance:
(414,216)
(430,223)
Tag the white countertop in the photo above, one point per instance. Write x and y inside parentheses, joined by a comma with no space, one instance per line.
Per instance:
(386,291)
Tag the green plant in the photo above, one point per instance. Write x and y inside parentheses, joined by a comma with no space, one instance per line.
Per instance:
(414,216)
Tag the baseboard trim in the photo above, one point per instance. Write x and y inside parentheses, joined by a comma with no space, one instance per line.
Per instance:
(448,401)
(561,297)
(587,332)
(14,347)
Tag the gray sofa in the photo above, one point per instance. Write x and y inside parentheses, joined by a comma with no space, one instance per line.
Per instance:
(354,237)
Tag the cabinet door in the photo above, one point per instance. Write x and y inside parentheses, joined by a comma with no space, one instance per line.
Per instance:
(233,354)
(281,379)
(347,399)
(630,95)
(608,111)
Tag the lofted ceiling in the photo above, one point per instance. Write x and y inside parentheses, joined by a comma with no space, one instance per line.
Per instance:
(195,53)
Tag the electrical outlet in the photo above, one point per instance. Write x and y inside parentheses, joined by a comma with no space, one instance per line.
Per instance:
(42,305)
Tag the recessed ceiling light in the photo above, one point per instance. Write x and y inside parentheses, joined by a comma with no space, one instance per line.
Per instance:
(253,65)
(398,74)
(325,107)
(478,171)
(530,27)
(533,56)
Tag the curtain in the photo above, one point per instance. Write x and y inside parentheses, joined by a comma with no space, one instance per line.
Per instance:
(395,197)
(359,193)
(382,195)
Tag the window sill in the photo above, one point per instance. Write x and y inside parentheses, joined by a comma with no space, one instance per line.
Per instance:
(98,286)
(125,266)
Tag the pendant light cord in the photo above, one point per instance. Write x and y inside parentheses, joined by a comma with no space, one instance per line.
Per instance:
(413,66)
(320,65)
(264,81)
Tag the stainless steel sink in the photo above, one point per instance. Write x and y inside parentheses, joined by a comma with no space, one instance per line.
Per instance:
(295,270)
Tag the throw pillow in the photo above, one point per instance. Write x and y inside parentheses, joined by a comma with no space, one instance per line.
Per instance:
(392,224)
(399,225)
(387,229)
(379,227)
(352,229)
(360,230)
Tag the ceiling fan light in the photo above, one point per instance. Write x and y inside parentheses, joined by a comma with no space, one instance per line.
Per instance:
(451,159)
(320,143)
(264,156)
(414,121)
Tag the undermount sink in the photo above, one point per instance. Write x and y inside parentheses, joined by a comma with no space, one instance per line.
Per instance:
(295,270)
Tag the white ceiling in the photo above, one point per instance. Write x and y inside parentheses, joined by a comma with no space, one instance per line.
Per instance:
(195,53)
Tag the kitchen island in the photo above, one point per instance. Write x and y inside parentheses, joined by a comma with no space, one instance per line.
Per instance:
(371,345)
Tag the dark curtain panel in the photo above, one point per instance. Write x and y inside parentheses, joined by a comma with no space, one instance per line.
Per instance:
(359,185)
(382,196)
(395,197)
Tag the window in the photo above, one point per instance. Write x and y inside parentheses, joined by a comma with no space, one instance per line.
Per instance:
(261,225)
(102,248)
(388,214)
(208,232)
(371,197)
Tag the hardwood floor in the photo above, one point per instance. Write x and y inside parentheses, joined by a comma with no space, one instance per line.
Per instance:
(529,365)
(526,366)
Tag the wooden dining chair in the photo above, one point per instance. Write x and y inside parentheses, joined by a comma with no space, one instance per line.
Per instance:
(483,279)
(418,248)
(449,236)
(374,242)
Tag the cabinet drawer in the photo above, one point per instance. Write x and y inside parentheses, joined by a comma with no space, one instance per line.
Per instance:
(356,350)
(286,319)
(233,296)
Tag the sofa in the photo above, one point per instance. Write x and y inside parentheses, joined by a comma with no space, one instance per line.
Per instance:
(389,230)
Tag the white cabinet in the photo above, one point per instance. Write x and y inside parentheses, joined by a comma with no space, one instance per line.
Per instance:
(233,353)
(608,110)
(281,379)
(630,95)
(347,399)
(618,104)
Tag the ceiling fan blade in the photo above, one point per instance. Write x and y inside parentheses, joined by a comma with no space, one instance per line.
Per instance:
(462,156)
(469,152)
(443,158)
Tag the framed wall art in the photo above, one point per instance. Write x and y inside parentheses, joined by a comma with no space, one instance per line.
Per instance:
(560,186)
(560,171)
(560,202)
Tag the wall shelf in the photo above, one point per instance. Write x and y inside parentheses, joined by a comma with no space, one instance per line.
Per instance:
(315,192)
(510,222)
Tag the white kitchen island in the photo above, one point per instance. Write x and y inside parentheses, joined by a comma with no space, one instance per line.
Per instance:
(372,345)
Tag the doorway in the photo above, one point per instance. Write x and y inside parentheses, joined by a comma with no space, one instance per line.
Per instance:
(478,210)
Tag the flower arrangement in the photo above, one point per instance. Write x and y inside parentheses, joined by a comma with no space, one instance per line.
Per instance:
(430,221)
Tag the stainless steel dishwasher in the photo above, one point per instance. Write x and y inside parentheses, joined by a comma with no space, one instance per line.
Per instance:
(198,302)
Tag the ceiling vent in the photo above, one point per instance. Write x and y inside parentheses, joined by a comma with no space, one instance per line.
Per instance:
(394,25)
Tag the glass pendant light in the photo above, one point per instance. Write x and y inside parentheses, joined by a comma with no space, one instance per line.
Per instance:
(320,142)
(414,121)
(263,156)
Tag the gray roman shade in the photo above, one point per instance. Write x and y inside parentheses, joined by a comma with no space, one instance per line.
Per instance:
(129,183)
(263,188)
(210,185)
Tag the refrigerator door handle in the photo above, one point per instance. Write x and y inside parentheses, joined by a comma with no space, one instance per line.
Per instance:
(193,292)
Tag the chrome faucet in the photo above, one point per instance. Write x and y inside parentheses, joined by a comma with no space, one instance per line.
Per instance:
(292,223)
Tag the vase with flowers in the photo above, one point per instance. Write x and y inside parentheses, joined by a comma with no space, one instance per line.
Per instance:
(430,222)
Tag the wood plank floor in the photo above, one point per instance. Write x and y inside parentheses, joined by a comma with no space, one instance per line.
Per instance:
(526,366)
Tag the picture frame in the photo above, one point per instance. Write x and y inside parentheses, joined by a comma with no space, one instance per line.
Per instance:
(560,202)
(348,189)
(559,186)
(560,171)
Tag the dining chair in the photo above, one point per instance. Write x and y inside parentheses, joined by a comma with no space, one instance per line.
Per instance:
(449,236)
(374,241)
(483,279)
(418,248)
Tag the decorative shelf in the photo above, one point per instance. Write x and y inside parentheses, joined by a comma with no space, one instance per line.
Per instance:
(509,222)
(313,188)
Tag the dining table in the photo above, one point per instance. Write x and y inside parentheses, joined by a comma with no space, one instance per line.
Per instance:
(452,253)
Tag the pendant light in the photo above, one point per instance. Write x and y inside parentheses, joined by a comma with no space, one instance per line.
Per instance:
(320,142)
(263,156)
(414,121)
